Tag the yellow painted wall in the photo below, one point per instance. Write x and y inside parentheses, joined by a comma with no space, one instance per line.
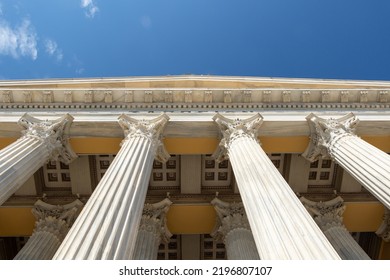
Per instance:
(16,221)
(200,219)
(197,219)
(385,252)
(363,217)
(182,146)
(191,219)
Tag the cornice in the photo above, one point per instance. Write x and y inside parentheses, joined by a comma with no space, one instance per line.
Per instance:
(195,81)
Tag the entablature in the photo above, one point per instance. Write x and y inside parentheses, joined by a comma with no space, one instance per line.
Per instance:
(196,124)
(201,98)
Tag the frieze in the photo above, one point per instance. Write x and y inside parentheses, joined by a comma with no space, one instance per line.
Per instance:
(7,96)
(247,96)
(383,96)
(176,99)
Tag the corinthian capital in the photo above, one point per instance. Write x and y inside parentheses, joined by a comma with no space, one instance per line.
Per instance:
(384,229)
(325,133)
(56,219)
(233,130)
(147,129)
(54,134)
(154,220)
(327,214)
(230,216)
(67,212)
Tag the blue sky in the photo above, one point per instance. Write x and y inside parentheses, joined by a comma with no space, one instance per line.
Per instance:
(274,38)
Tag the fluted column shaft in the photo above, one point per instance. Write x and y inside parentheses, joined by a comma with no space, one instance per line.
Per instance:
(335,138)
(232,227)
(41,141)
(146,246)
(344,244)
(45,240)
(240,245)
(328,216)
(152,231)
(108,225)
(53,222)
(281,226)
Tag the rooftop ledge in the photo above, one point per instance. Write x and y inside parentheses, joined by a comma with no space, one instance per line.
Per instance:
(194,81)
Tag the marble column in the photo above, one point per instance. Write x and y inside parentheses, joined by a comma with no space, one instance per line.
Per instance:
(281,226)
(41,141)
(108,225)
(233,228)
(329,217)
(384,229)
(336,139)
(152,230)
(53,222)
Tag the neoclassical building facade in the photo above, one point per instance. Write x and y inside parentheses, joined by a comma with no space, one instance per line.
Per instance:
(194,167)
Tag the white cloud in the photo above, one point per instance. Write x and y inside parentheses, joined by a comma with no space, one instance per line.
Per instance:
(90,8)
(18,41)
(52,49)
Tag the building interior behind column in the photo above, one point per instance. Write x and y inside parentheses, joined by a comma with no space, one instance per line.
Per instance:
(192,178)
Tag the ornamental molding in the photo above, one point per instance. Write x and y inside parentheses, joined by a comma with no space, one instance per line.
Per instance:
(7,96)
(327,214)
(384,229)
(151,130)
(55,219)
(325,134)
(53,133)
(154,220)
(197,98)
(233,130)
(230,217)
(67,212)
(53,226)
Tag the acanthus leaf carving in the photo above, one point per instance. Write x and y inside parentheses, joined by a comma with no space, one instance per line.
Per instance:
(326,133)
(151,130)
(327,214)
(233,130)
(230,216)
(55,219)
(54,134)
(153,220)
